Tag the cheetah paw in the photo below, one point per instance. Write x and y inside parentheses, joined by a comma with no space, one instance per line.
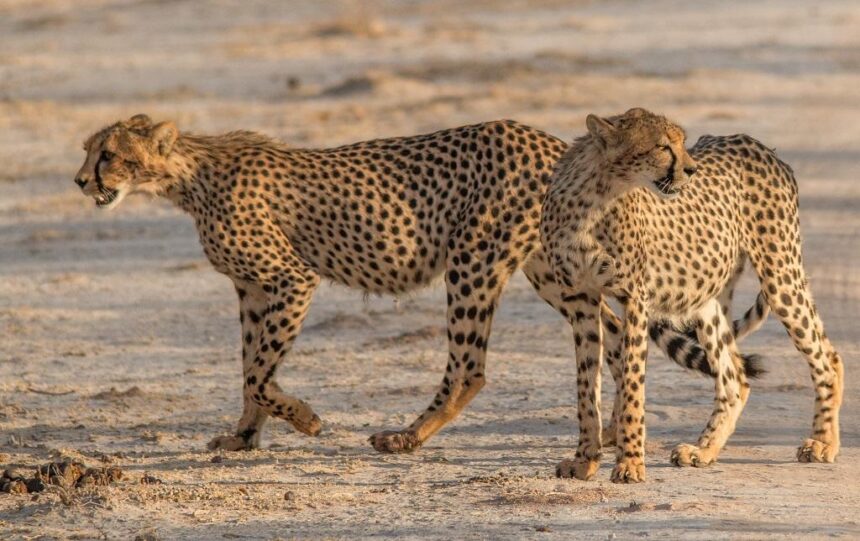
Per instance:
(311,427)
(578,468)
(230,443)
(685,454)
(816,451)
(628,471)
(391,441)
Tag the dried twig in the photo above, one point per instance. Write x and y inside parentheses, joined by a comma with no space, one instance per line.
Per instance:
(49,393)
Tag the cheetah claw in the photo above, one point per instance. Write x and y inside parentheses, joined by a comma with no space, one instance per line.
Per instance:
(685,454)
(313,427)
(392,441)
(628,471)
(230,443)
(579,468)
(816,451)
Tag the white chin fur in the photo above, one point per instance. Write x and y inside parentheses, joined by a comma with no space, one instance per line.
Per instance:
(660,195)
(120,195)
(669,197)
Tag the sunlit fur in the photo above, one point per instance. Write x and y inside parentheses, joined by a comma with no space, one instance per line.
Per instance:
(676,259)
(385,216)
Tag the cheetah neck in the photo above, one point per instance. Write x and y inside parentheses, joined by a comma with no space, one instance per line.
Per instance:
(198,162)
(589,181)
(187,170)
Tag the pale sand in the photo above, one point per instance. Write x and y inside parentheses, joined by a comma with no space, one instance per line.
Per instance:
(98,303)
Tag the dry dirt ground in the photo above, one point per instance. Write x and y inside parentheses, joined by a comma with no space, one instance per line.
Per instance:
(120,345)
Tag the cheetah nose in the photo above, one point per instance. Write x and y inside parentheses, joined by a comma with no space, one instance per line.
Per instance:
(691,170)
(80,182)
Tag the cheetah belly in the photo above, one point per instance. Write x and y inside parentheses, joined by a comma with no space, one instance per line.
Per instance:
(368,253)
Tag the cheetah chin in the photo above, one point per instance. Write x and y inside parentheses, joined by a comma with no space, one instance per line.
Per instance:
(665,187)
(108,198)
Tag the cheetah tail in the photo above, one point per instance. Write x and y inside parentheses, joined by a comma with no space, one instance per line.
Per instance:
(752,319)
(752,365)
(683,347)
(680,346)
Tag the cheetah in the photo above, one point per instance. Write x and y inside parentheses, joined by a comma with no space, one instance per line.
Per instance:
(384,216)
(631,214)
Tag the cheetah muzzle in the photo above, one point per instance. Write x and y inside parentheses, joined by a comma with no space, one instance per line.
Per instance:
(105,196)
(666,185)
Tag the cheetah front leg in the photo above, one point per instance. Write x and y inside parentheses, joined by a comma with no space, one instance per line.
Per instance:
(252,305)
(630,457)
(677,346)
(613,351)
(588,341)
(732,389)
(547,285)
(271,322)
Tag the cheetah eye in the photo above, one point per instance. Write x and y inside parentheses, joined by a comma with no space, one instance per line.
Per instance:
(107,155)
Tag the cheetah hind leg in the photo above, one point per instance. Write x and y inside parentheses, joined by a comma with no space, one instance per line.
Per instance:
(726,365)
(732,389)
(471,306)
(248,435)
(793,306)
(464,377)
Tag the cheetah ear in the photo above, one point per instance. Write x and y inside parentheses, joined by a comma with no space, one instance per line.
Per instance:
(602,131)
(138,122)
(163,136)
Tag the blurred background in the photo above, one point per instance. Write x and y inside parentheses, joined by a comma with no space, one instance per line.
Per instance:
(324,73)
(121,320)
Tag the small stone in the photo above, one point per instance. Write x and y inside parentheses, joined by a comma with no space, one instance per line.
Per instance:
(290,496)
(217,459)
(150,480)
(100,476)
(16,487)
(64,474)
(147,535)
(13,473)
(35,485)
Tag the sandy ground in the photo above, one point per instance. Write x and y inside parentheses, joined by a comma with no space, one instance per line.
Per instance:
(119,318)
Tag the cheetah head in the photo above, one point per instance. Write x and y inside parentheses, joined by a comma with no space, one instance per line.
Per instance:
(643,149)
(128,156)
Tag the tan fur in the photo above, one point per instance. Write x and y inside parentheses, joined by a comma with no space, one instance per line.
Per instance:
(384,216)
(676,256)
